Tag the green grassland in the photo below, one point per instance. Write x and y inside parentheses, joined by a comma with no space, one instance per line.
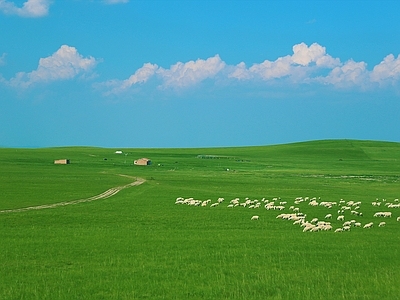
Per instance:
(139,244)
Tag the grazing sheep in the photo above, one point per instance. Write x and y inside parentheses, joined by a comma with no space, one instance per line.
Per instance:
(383,214)
(339,230)
(398,219)
(308,227)
(297,222)
(254,217)
(340,218)
(387,214)
(357,224)
(368,225)
(382,224)
(328,216)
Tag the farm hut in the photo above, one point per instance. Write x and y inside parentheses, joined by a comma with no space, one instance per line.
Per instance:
(142,162)
(61,162)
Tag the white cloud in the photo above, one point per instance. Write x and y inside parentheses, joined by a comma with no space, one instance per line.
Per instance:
(303,55)
(272,69)
(30,8)
(187,74)
(239,72)
(306,65)
(304,61)
(348,75)
(66,63)
(115,1)
(141,76)
(178,76)
(387,70)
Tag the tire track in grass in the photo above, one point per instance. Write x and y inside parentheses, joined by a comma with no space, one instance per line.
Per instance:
(107,194)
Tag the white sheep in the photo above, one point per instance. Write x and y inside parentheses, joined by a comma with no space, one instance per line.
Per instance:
(382,224)
(255,217)
(340,218)
(328,216)
(297,222)
(387,214)
(398,219)
(383,214)
(327,227)
(308,227)
(368,225)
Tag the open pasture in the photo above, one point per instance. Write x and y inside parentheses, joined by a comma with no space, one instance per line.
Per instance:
(139,244)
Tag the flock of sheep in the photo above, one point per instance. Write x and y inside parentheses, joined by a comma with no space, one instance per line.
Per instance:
(346,211)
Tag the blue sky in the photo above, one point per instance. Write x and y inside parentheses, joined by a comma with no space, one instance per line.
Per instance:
(209,73)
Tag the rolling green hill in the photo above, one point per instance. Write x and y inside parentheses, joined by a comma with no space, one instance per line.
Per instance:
(140,244)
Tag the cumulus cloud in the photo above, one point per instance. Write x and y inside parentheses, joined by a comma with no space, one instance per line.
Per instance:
(299,65)
(387,70)
(30,8)
(349,74)
(178,76)
(187,74)
(66,63)
(142,75)
(306,65)
(240,72)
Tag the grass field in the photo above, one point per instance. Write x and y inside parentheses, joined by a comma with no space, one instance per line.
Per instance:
(139,244)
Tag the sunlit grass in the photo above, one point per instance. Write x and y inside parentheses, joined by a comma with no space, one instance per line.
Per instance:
(139,244)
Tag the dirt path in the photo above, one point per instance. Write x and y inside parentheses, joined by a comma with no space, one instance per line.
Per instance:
(107,194)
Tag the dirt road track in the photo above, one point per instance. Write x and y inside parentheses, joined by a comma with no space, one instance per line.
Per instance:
(107,194)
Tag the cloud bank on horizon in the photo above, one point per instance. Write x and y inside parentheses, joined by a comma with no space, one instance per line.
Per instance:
(306,65)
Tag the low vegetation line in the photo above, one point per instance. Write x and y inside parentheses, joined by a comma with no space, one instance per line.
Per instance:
(104,195)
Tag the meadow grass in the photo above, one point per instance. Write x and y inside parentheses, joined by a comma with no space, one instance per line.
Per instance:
(138,244)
